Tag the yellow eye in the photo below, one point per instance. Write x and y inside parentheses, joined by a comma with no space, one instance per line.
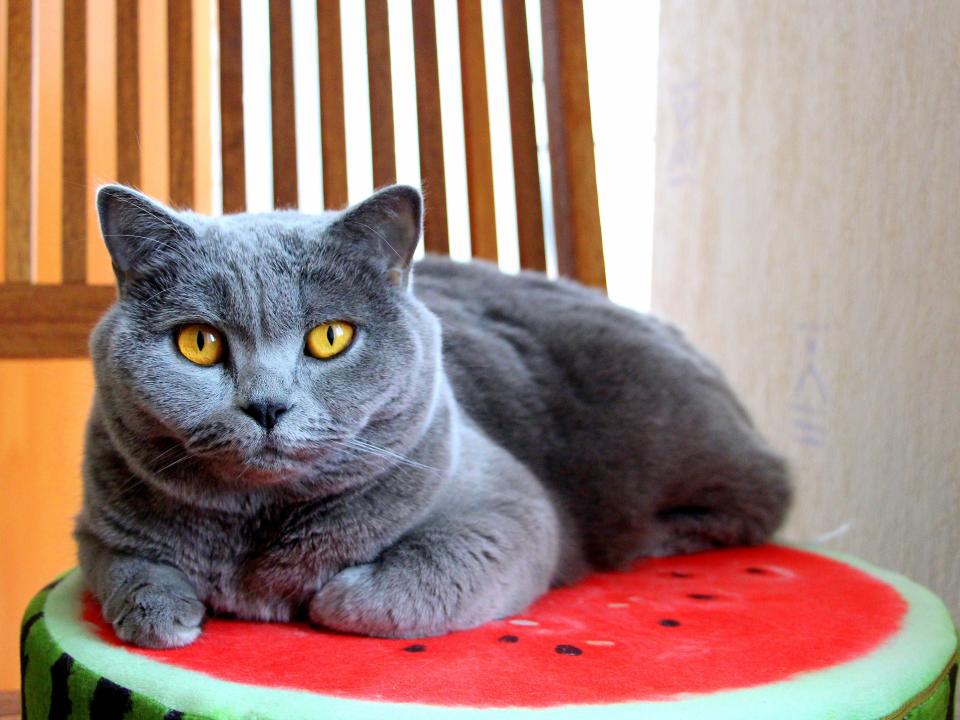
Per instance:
(329,339)
(200,344)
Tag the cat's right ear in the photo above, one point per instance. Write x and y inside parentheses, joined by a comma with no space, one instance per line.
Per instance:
(139,232)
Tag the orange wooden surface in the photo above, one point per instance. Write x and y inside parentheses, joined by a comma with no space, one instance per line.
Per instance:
(430,127)
(333,138)
(128,92)
(233,170)
(476,132)
(44,403)
(17,148)
(73,209)
(576,212)
(283,106)
(381,94)
(180,97)
(526,170)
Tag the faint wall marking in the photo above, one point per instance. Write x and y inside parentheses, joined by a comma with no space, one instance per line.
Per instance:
(810,396)
(685,108)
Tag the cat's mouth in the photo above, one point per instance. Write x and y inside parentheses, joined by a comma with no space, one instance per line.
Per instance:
(272,456)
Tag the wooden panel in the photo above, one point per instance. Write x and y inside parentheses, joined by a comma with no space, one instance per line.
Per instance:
(231,108)
(806,236)
(43,412)
(128,92)
(203,28)
(381,94)
(180,82)
(430,127)
(476,131)
(576,212)
(74,197)
(59,321)
(333,138)
(282,106)
(526,166)
(19,113)
(9,704)
(46,164)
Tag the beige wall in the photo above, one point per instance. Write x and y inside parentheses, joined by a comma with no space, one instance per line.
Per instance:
(807,236)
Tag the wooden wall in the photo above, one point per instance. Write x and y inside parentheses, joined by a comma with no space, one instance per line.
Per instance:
(44,403)
(807,235)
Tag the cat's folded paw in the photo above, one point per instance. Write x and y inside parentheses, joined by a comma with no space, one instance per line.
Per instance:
(373,600)
(152,615)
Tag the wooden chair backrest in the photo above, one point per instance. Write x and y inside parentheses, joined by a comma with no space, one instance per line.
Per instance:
(53,320)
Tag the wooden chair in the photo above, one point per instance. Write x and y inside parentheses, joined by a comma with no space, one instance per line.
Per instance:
(47,320)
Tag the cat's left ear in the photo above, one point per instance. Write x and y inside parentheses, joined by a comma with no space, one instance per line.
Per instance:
(389,222)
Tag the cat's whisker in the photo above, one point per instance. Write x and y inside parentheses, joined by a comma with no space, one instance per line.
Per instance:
(379,235)
(389,454)
(140,207)
(175,462)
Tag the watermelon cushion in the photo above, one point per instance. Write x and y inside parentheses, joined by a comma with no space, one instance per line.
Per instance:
(766,632)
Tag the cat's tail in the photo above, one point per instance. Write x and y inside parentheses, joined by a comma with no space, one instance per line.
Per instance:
(739,499)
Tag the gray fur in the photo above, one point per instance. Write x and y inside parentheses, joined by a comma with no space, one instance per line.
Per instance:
(418,483)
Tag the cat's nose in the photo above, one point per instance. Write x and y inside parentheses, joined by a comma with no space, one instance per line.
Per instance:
(267,414)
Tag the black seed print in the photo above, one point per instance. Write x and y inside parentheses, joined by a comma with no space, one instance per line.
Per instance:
(200,340)
(701,596)
(757,571)
(330,335)
(415,648)
(568,650)
(509,638)
(678,574)
(669,622)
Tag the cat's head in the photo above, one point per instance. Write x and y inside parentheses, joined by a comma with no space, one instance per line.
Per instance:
(278,350)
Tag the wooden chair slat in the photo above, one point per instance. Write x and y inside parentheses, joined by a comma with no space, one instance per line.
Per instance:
(476,131)
(128,92)
(59,322)
(59,318)
(333,138)
(180,89)
(282,106)
(526,166)
(74,179)
(575,208)
(232,160)
(430,126)
(18,140)
(381,94)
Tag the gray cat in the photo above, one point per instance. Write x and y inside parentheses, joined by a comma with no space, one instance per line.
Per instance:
(286,425)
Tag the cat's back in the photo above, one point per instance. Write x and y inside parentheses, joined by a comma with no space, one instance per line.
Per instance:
(543,363)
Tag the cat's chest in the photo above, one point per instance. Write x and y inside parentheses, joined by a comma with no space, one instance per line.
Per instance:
(250,567)
(215,550)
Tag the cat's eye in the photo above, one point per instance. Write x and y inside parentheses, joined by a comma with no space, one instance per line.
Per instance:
(200,344)
(329,339)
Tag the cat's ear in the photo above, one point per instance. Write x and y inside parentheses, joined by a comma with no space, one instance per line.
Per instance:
(139,232)
(389,222)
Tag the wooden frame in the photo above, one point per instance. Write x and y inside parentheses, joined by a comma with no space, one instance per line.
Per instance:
(45,320)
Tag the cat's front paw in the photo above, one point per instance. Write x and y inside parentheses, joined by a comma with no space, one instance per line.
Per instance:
(376,600)
(155,615)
